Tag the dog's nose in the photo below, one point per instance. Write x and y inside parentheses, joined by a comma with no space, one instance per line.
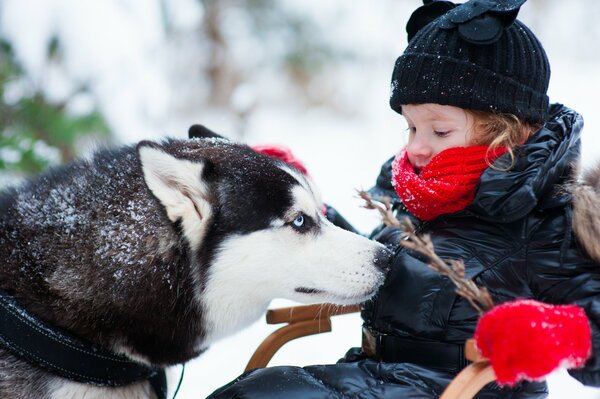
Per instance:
(383,259)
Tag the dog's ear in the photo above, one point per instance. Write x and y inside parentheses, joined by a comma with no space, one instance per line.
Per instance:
(202,132)
(179,186)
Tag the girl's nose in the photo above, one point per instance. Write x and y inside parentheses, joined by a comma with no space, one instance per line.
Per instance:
(419,148)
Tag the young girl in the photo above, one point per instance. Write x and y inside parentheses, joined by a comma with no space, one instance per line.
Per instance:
(483,174)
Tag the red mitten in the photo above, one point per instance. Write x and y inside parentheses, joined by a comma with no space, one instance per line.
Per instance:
(283,153)
(526,339)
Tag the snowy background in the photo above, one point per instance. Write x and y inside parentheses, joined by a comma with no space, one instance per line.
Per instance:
(150,67)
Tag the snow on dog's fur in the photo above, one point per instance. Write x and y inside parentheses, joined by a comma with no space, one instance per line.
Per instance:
(157,250)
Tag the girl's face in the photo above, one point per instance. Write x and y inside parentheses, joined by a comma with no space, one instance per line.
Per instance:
(434,128)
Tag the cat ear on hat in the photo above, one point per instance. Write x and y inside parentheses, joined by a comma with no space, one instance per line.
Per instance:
(482,21)
(425,14)
(202,132)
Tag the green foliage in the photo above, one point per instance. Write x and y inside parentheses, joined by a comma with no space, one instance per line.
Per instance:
(34,132)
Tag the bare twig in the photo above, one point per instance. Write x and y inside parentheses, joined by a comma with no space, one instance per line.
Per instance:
(384,208)
(479,298)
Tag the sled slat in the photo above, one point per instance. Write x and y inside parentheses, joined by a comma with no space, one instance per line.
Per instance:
(471,351)
(267,349)
(308,312)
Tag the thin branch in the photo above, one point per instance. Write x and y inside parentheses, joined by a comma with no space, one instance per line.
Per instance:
(478,297)
(384,208)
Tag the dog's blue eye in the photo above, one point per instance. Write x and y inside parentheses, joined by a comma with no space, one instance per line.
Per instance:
(299,221)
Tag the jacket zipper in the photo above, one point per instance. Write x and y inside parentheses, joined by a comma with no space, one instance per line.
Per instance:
(375,306)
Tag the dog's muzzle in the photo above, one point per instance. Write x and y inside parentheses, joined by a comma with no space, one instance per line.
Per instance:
(383,259)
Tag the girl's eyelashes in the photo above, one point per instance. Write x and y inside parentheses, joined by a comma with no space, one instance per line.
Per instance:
(439,133)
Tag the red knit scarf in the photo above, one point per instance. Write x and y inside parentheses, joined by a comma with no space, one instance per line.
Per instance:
(446,184)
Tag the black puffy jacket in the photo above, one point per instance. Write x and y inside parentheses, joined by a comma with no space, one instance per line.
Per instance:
(515,239)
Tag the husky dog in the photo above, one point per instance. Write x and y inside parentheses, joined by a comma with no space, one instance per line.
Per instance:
(154,251)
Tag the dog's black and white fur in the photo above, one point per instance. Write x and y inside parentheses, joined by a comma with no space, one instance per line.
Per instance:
(157,250)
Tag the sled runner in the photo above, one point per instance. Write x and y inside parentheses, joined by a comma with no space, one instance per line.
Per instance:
(302,321)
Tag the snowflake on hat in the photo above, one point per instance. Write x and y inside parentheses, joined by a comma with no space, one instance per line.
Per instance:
(527,339)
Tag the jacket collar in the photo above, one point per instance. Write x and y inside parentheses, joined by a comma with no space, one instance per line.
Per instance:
(542,163)
(70,357)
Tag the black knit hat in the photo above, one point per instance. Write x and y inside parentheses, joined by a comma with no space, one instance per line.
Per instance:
(474,55)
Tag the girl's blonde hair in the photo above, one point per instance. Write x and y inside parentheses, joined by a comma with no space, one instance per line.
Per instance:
(500,130)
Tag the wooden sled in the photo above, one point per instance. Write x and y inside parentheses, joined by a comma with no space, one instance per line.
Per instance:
(315,319)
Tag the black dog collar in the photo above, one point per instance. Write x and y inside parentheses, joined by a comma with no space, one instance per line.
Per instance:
(63,354)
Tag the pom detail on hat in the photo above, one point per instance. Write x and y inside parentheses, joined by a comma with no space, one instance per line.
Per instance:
(526,339)
(425,14)
(482,21)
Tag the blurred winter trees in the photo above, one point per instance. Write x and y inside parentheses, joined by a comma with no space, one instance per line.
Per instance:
(277,36)
(222,55)
(36,132)
(75,74)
